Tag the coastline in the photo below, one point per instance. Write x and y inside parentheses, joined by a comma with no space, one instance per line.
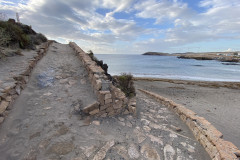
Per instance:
(218,56)
(218,102)
(211,84)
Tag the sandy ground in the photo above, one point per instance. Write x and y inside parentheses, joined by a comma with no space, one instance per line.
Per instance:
(215,101)
(43,123)
(13,66)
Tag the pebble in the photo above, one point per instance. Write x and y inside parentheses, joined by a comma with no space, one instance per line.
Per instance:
(122,151)
(103,151)
(47,108)
(155,139)
(169,152)
(97,123)
(122,123)
(63,81)
(133,152)
(140,136)
(149,152)
(47,94)
(1,119)
(145,122)
(121,119)
(129,124)
(172,135)
(146,128)
(89,150)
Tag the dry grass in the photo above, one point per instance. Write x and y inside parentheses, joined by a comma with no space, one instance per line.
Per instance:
(125,83)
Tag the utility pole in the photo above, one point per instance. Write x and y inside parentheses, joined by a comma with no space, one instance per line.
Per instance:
(17,17)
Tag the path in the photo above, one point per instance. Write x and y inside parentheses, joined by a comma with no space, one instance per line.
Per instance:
(220,106)
(44,124)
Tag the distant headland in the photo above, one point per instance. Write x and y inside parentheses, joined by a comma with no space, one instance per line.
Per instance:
(219,56)
(157,54)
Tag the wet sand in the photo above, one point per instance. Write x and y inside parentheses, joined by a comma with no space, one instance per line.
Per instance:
(218,102)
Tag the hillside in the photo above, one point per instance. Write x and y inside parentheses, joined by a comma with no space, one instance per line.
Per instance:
(16,36)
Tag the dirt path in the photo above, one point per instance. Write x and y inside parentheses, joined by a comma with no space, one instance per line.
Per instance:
(43,123)
(57,85)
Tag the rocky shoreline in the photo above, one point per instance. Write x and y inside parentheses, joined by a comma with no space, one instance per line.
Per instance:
(218,58)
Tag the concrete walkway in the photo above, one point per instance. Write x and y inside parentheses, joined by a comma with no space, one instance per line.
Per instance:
(44,124)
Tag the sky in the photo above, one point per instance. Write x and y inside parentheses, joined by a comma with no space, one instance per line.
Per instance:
(134,26)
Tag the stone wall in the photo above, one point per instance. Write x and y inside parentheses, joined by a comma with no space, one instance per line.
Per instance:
(111,100)
(10,92)
(210,138)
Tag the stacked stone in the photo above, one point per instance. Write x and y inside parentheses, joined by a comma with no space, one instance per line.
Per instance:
(210,138)
(11,90)
(111,100)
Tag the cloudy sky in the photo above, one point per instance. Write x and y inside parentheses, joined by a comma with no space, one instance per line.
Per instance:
(134,26)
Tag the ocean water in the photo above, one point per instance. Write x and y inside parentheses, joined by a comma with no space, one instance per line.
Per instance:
(170,67)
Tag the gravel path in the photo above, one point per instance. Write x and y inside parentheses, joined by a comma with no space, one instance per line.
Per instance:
(43,123)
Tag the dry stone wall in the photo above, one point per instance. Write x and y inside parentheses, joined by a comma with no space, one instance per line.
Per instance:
(10,92)
(210,138)
(111,100)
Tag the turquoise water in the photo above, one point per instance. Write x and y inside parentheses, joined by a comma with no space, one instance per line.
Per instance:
(170,67)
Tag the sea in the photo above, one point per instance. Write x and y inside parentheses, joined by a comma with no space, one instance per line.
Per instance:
(170,67)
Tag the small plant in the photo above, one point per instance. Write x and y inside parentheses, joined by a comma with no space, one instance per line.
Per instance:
(4,37)
(90,53)
(41,37)
(125,83)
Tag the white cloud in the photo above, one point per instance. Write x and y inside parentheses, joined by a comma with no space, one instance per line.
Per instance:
(218,3)
(228,50)
(219,21)
(80,21)
(162,10)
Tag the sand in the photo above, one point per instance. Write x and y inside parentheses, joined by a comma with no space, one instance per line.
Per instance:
(218,102)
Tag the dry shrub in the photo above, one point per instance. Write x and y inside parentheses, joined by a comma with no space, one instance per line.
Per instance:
(125,83)
(4,37)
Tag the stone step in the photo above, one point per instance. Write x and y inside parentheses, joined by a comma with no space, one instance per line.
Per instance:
(92,108)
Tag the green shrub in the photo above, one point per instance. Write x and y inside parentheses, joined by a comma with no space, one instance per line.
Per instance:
(37,39)
(19,34)
(41,37)
(125,83)
(4,38)
(16,34)
(90,53)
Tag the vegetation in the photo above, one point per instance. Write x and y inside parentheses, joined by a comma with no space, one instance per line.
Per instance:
(125,83)
(17,35)
(100,63)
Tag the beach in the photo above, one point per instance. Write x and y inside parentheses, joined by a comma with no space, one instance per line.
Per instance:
(218,102)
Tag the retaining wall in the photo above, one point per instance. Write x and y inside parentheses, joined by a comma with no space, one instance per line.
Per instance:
(204,131)
(111,100)
(13,90)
